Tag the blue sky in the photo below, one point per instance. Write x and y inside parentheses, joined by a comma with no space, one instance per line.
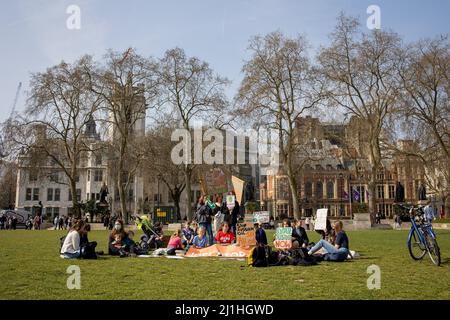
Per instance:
(33,33)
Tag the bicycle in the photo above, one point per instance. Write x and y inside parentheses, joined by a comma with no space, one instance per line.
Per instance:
(422,238)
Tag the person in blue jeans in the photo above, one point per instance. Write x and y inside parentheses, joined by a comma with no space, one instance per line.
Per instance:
(337,252)
(203,217)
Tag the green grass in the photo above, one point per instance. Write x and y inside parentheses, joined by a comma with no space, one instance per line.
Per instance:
(30,268)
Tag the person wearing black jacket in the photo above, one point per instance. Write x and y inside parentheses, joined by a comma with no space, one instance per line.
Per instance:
(299,236)
(204,218)
(232,217)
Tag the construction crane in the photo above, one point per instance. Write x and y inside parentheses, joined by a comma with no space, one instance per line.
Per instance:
(13,109)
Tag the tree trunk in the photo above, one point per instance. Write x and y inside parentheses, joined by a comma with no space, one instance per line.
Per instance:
(372,195)
(187,176)
(294,192)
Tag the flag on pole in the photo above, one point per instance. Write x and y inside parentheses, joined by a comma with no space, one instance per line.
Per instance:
(356,195)
(345,195)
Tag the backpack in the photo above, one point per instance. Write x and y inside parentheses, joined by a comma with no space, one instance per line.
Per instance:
(259,256)
(300,257)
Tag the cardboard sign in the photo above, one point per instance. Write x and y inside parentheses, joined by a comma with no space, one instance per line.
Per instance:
(261,217)
(238,187)
(246,235)
(218,250)
(283,238)
(321,219)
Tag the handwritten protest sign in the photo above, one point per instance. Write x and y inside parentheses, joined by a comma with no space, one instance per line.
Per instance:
(238,187)
(283,238)
(261,217)
(321,219)
(231,199)
(246,234)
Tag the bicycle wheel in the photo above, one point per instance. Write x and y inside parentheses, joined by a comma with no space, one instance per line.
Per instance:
(416,248)
(433,249)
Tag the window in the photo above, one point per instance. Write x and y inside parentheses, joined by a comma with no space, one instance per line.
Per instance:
(77,178)
(28,194)
(380,192)
(57,194)
(36,194)
(28,209)
(319,190)
(55,211)
(156,198)
(308,189)
(330,190)
(97,196)
(130,194)
(49,194)
(89,175)
(48,211)
(169,196)
(98,175)
(78,194)
(391,192)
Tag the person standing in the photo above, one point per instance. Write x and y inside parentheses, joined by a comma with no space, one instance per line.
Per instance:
(55,222)
(203,216)
(307,222)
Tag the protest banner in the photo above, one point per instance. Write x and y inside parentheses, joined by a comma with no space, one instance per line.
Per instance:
(261,217)
(217,250)
(283,238)
(246,234)
(321,219)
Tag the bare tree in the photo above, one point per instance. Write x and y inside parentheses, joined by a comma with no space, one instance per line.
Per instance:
(279,87)
(424,74)
(125,84)
(60,106)
(158,163)
(8,181)
(190,90)
(360,69)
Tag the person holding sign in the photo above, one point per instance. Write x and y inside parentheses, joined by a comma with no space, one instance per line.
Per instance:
(231,210)
(337,252)
(225,236)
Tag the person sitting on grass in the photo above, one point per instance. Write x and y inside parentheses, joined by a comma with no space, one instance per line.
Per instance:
(71,246)
(87,247)
(260,234)
(117,240)
(188,234)
(299,236)
(200,241)
(337,252)
(225,236)
(174,243)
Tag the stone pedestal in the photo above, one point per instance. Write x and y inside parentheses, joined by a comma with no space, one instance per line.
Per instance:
(361,221)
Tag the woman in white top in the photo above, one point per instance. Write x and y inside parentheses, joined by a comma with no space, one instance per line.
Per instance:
(71,246)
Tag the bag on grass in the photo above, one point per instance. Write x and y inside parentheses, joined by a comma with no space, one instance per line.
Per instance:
(259,256)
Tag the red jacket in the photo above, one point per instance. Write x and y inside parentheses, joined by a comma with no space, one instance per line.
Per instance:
(225,237)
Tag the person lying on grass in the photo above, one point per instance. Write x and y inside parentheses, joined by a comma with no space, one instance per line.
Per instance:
(337,252)
(200,240)
(71,246)
(225,236)
(299,236)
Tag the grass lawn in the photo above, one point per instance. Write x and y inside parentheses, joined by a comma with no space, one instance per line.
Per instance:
(30,268)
